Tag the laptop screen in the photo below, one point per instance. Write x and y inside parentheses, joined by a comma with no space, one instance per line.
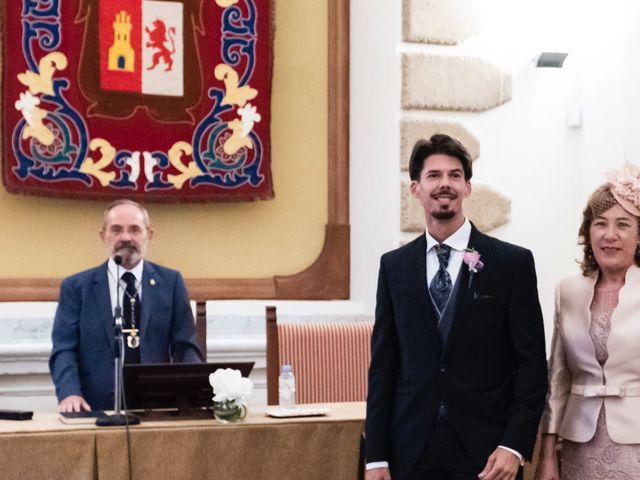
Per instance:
(179,386)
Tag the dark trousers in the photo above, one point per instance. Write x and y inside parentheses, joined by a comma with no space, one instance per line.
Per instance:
(446,458)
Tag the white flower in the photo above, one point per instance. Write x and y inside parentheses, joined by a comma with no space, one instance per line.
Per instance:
(27,104)
(228,384)
(250,116)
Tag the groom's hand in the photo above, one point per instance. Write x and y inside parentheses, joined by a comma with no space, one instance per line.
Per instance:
(501,465)
(378,474)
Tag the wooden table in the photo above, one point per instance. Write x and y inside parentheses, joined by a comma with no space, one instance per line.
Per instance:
(258,447)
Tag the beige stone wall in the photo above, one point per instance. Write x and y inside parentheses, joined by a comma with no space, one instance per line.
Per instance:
(446,22)
(433,82)
(448,82)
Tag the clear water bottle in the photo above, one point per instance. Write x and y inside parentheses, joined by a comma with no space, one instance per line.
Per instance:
(287,387)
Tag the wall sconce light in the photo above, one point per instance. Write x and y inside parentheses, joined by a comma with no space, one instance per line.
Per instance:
(550,60)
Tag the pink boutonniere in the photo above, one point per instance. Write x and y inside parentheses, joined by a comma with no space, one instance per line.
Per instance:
(472,259)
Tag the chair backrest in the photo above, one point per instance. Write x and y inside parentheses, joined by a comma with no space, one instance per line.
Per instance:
(330,360)
(201,326)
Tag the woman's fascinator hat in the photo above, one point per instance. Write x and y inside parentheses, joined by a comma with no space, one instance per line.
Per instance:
(625,187)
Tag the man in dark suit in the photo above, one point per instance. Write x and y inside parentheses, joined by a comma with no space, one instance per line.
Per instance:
(458,372)
(157,317)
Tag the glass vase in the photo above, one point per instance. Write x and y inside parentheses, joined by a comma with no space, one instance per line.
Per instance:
(229,411)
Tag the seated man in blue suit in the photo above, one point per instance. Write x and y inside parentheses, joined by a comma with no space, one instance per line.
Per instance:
(157,317)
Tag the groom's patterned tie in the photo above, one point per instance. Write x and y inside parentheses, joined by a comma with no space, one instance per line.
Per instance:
(440,287)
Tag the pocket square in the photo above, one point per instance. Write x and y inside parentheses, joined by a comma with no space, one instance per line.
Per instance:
(482,296)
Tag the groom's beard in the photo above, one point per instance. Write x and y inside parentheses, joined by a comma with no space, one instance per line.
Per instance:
(443,214)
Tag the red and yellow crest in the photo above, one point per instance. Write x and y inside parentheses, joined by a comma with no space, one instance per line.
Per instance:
(151,99)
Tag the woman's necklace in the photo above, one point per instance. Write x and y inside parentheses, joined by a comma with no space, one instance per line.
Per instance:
(605,298)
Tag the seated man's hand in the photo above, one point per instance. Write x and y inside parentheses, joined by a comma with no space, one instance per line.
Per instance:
(73,403)
(501,465)
(378,474)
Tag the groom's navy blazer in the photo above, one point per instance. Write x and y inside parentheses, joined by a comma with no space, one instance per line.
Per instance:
(81,361)
(490,378)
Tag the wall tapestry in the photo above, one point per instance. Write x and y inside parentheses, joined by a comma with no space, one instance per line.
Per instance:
(165,100)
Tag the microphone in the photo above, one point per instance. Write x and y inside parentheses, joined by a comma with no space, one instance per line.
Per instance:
(118,418)
(118,311)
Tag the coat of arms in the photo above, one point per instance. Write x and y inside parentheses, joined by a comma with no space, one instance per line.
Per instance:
(152,99)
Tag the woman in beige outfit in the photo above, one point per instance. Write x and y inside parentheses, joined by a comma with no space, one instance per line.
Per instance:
(594,371)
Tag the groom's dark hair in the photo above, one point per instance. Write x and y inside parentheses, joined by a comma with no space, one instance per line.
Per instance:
(438,144)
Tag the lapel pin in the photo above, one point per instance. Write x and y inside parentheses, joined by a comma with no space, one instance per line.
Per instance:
(152,281)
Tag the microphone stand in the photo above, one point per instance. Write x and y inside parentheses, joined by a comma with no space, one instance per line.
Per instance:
(119,418)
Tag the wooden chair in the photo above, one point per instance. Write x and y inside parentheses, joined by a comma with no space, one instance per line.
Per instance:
(330,360)
(201,326)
